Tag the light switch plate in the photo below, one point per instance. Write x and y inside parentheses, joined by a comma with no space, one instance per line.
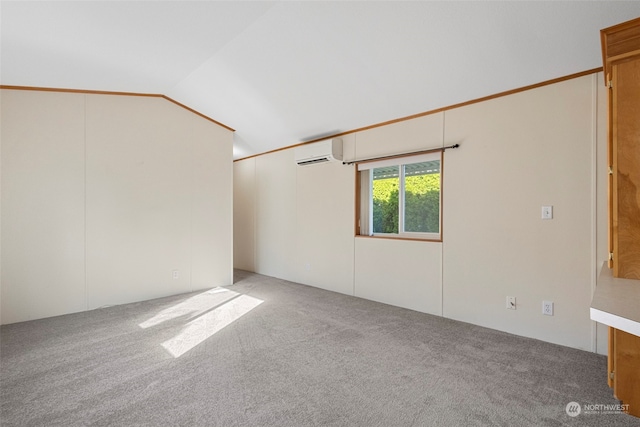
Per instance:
(547,212)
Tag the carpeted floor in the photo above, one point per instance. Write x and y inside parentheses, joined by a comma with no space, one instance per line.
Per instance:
(266,352)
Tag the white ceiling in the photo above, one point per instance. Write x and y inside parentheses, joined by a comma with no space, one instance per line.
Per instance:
(285,72)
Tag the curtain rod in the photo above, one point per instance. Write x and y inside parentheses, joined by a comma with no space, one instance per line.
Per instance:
(394,156)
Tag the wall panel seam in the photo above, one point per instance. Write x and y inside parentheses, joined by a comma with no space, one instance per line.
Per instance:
(84,142)
(442,210)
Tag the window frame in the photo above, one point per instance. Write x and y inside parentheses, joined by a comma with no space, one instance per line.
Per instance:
(401,161)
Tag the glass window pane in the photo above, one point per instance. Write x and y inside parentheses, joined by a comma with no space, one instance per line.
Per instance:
(422,197)
(385,188)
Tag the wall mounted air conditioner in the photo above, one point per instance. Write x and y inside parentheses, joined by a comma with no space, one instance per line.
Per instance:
(329,150)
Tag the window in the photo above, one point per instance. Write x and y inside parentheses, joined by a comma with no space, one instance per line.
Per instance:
(401,197)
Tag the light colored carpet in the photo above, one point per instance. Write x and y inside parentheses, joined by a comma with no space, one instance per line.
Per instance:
(284,354)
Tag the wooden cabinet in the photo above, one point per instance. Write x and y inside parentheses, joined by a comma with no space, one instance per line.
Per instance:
(624,368)
(621,56)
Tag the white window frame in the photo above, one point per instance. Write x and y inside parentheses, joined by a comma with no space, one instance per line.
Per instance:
(401,162)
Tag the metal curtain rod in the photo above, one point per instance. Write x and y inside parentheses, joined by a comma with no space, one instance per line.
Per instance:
(394,156)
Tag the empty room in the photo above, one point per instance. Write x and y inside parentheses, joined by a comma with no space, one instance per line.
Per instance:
(319,213)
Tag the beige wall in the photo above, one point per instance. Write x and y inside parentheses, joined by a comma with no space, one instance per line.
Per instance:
(519,152)
(104,196)
(0,208)
(275,215)
(244,214)
(539,152)
(43,219)
(296,223)
(398,272)
(325,224)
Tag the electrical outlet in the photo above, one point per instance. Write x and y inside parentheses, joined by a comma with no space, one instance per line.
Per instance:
(547,308)
(511,303)
(175,274)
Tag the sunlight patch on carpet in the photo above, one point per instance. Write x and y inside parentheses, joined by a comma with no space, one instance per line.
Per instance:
(208,324)
(192,307)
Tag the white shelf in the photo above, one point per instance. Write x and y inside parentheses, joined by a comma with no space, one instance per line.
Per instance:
(616,302)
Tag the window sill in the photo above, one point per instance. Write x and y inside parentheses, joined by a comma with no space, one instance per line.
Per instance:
(412,239)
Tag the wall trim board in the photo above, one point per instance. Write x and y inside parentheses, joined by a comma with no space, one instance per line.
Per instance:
(363,236)
(197,113)
(105,92)
(81,91)
(437,110)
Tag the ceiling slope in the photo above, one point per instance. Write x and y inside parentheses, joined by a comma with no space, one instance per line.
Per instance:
(285,72)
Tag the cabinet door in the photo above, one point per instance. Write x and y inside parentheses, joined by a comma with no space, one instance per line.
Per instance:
(627,370)
(626,169)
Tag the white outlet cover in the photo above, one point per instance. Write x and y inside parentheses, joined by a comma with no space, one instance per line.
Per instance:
(547,308)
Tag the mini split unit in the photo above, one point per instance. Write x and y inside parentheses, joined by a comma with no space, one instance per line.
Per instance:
(329,150)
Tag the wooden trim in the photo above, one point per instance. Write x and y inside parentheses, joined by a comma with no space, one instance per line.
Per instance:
(364,236)
(603,47)
(286,148)
(610,172)
(623,56)
(437,110)
(610,352)
(81,91)
(197,113)
(105,92)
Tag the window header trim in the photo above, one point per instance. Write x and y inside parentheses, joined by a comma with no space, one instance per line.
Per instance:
(416,158)
(396,156)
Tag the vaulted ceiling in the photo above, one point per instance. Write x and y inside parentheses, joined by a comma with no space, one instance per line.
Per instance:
(284,72)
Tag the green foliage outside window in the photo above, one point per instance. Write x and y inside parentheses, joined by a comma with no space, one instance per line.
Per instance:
(385,205)
(422,204)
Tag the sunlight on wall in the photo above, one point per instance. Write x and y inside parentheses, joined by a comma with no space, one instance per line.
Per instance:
(192,307)
(209,323)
